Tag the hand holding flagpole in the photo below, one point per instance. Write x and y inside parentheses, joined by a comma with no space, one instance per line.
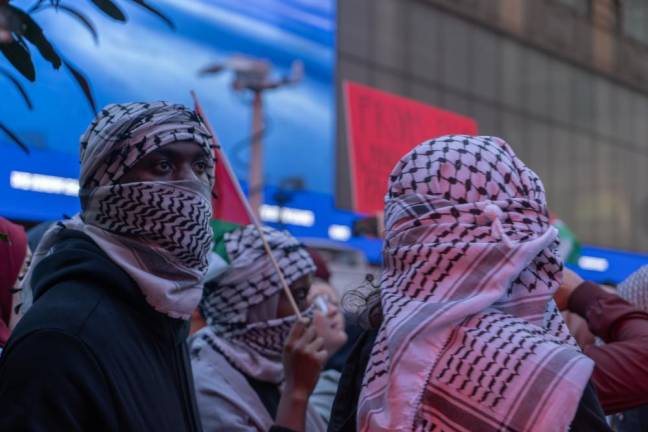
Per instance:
(221,158)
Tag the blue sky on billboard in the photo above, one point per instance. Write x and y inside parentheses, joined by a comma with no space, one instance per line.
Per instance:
(145,60)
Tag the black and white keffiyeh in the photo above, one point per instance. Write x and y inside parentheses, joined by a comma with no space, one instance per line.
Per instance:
(471,338)
(156,231)
(240,305)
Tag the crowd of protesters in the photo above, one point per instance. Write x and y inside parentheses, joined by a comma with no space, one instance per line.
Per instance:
(137,314)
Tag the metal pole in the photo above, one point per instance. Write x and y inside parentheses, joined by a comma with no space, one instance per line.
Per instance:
(256,157)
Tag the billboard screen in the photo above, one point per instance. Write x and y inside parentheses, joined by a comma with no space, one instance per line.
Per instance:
(143,59)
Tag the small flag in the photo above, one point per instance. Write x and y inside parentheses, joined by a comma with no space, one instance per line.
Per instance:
(229,209)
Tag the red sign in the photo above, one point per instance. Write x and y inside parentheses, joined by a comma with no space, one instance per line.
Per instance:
(382,127)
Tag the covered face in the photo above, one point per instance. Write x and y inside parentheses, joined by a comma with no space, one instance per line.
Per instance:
(147,170)
(250,289)
(171,213)
(243,305)
(470,268)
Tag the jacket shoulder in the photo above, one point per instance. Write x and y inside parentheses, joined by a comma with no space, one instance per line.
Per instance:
(74,282)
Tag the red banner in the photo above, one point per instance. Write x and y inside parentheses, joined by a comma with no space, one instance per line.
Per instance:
(381,128)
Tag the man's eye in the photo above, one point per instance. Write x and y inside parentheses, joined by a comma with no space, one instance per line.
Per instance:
(163,166)
(200,166)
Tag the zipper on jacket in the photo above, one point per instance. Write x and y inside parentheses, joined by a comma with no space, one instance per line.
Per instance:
(180,366)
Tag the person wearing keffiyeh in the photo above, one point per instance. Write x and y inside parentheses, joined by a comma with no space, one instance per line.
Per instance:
(245,377)
(102,343)
(470,338)
(616,321)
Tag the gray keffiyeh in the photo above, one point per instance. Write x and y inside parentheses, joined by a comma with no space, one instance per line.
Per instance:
(471,338)
(240,305)
(634,289)
(156,231)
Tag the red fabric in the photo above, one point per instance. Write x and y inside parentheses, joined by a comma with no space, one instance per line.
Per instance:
(383,127)
(621,365)
(13,249)
(226,201)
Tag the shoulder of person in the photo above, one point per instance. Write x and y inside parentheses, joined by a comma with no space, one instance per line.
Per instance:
(50,380)
(74,286)
(210,367)
(225,398)
(53,345)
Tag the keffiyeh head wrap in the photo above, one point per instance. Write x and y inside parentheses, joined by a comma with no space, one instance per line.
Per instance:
(634,289)
(240,305)
(470,338)
(156,231)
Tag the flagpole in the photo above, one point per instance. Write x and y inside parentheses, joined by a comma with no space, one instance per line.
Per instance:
(244,200)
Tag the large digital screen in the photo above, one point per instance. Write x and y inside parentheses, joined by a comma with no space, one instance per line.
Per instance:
(143,59)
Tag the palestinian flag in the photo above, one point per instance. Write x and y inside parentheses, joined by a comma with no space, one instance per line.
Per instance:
(230,207)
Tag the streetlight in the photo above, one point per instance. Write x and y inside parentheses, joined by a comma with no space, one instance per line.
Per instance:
(255,75)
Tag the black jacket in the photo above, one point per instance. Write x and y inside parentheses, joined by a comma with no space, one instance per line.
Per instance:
(589,416)
(634,420)
(92,355)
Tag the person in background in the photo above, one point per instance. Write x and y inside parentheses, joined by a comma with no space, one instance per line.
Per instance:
(469,337)
(255,365)
(323,295)
(621,321)
(34,236)
(14,256)
(103,345)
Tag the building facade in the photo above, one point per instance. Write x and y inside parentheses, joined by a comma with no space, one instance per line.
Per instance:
(563,81)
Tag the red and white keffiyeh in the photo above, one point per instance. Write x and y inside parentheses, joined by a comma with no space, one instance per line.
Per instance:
(471,338)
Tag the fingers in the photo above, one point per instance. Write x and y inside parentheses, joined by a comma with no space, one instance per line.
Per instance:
(316,344)
(296,333)
(321,356)
(297,330)
(307,337)
(317,350)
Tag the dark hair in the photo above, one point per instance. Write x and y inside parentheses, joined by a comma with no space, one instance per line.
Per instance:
(363,303)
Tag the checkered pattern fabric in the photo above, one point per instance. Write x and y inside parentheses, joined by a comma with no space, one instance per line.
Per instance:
(240,305)
(158,231)
(123,134)
(471,338)
(634,289)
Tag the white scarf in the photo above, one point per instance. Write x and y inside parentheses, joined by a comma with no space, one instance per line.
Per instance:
(471,338)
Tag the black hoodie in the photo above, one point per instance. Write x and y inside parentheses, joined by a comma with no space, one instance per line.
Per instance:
(92,355)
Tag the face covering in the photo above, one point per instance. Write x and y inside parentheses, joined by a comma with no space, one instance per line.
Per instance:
(470,338)
(156,231)
(240,305)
